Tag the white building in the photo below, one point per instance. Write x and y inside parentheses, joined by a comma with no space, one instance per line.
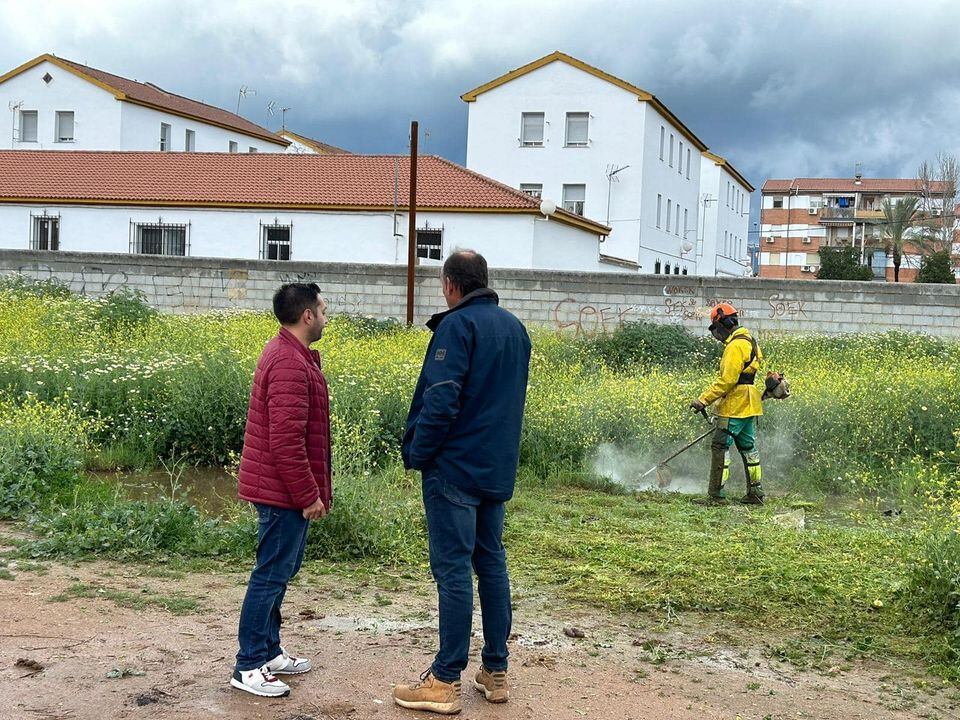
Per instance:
(724,219)
(303,145)
(56,104)
(335,208)
(598,146)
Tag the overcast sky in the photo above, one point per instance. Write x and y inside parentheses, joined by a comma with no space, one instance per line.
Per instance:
(782,88)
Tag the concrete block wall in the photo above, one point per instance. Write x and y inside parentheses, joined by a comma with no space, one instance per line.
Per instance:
(583,303)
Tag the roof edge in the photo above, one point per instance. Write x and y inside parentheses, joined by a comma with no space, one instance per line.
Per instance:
(723,162)
(557,55)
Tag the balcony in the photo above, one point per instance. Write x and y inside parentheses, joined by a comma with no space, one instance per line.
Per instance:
(868,214)
(836,216)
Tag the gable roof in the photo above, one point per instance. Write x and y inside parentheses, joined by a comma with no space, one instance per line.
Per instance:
(153,97)
(876,185)
(557,56)
(318,147)
(258,180)
(724,163)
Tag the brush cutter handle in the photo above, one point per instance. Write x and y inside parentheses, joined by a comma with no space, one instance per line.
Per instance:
(703,411)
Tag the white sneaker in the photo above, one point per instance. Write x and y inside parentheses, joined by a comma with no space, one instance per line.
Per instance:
(259,682)
(283,664)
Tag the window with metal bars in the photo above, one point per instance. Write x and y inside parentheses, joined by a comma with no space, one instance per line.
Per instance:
(44,232)
(275,242)
(430,243)
(160,239)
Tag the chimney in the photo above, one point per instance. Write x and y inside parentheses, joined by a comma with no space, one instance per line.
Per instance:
(858,175)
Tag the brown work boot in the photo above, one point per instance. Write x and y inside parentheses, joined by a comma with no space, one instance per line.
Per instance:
(493,685)
(430,694)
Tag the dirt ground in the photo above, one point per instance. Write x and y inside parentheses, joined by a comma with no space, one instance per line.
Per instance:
(363,637)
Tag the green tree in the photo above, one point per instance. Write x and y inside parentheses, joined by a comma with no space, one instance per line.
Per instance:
(842,263)
(936,268)
(899,218)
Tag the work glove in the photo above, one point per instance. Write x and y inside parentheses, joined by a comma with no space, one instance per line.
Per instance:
(697,406)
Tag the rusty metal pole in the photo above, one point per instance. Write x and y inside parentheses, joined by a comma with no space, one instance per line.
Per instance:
(412,226)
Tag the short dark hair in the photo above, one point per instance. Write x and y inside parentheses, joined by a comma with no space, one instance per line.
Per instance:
(467,270)
(292,299)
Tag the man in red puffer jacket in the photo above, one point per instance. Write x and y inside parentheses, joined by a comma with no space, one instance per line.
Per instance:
(285,472)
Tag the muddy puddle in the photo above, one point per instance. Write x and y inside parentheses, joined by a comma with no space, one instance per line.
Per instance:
(212,490)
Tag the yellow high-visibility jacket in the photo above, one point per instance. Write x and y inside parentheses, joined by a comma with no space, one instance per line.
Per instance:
(735,401)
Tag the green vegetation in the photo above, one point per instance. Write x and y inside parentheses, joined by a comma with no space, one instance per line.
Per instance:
(842,263)
(937,267)
(872,427)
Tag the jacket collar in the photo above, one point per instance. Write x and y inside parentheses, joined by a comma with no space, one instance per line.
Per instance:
(482,295)
(289,338)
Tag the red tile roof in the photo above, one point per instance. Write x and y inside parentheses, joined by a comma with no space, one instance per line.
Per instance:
(152,96)
(271,180)
(876,185)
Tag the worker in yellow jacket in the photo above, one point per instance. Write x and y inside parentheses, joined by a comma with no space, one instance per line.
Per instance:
(738,405)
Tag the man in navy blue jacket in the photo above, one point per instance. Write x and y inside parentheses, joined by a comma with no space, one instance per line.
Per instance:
(463,434)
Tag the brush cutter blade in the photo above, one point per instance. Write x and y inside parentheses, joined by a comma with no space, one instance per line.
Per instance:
(664,476)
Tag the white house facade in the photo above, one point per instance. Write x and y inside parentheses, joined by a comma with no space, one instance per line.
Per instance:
(331,208)
(599,146)
(56,104)
(302,145)
(725,219)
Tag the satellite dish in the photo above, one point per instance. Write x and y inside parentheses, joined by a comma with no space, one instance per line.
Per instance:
(548,207)
(686,246)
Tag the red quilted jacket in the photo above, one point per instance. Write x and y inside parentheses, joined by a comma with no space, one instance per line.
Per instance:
(286,458)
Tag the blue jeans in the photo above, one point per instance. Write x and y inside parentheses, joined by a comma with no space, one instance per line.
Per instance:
(467,530)
(281,537)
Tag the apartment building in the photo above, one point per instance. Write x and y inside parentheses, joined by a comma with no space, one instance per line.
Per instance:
(599,146)
(725,219)
(801,215)
(58,104)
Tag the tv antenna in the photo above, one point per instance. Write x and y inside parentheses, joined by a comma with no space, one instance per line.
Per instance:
(283,118)
(612,172)
(244,91)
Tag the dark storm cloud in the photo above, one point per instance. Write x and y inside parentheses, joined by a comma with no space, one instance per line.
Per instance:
(781,89)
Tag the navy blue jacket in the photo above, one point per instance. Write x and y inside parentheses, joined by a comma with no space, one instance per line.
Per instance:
(467,409)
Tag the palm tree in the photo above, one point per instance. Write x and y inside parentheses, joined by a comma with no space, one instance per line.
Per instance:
(899,217)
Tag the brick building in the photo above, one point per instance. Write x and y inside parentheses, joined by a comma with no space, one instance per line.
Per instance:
(800,216)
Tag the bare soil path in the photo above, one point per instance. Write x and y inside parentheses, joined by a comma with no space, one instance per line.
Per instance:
(83,623)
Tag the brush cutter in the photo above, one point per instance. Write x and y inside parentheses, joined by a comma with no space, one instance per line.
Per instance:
(664,475)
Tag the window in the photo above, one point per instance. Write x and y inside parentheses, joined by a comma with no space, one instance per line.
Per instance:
(663,132)
(64,130)
(531,129)
(676,269)
(574,197)
(28,126)
(275,242)
(578,125)
(659,204)
(688,175)
(676,225)
(233,146)
(671,149)
(669,212)
(685,226)
(166,137)
(725,242)
(684,272)
(189,141)
(45,232)
(159,239)
(778,201)
(430,243)
(532,189)
(251,149)
(666,269)
(656,267)
(680,159)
